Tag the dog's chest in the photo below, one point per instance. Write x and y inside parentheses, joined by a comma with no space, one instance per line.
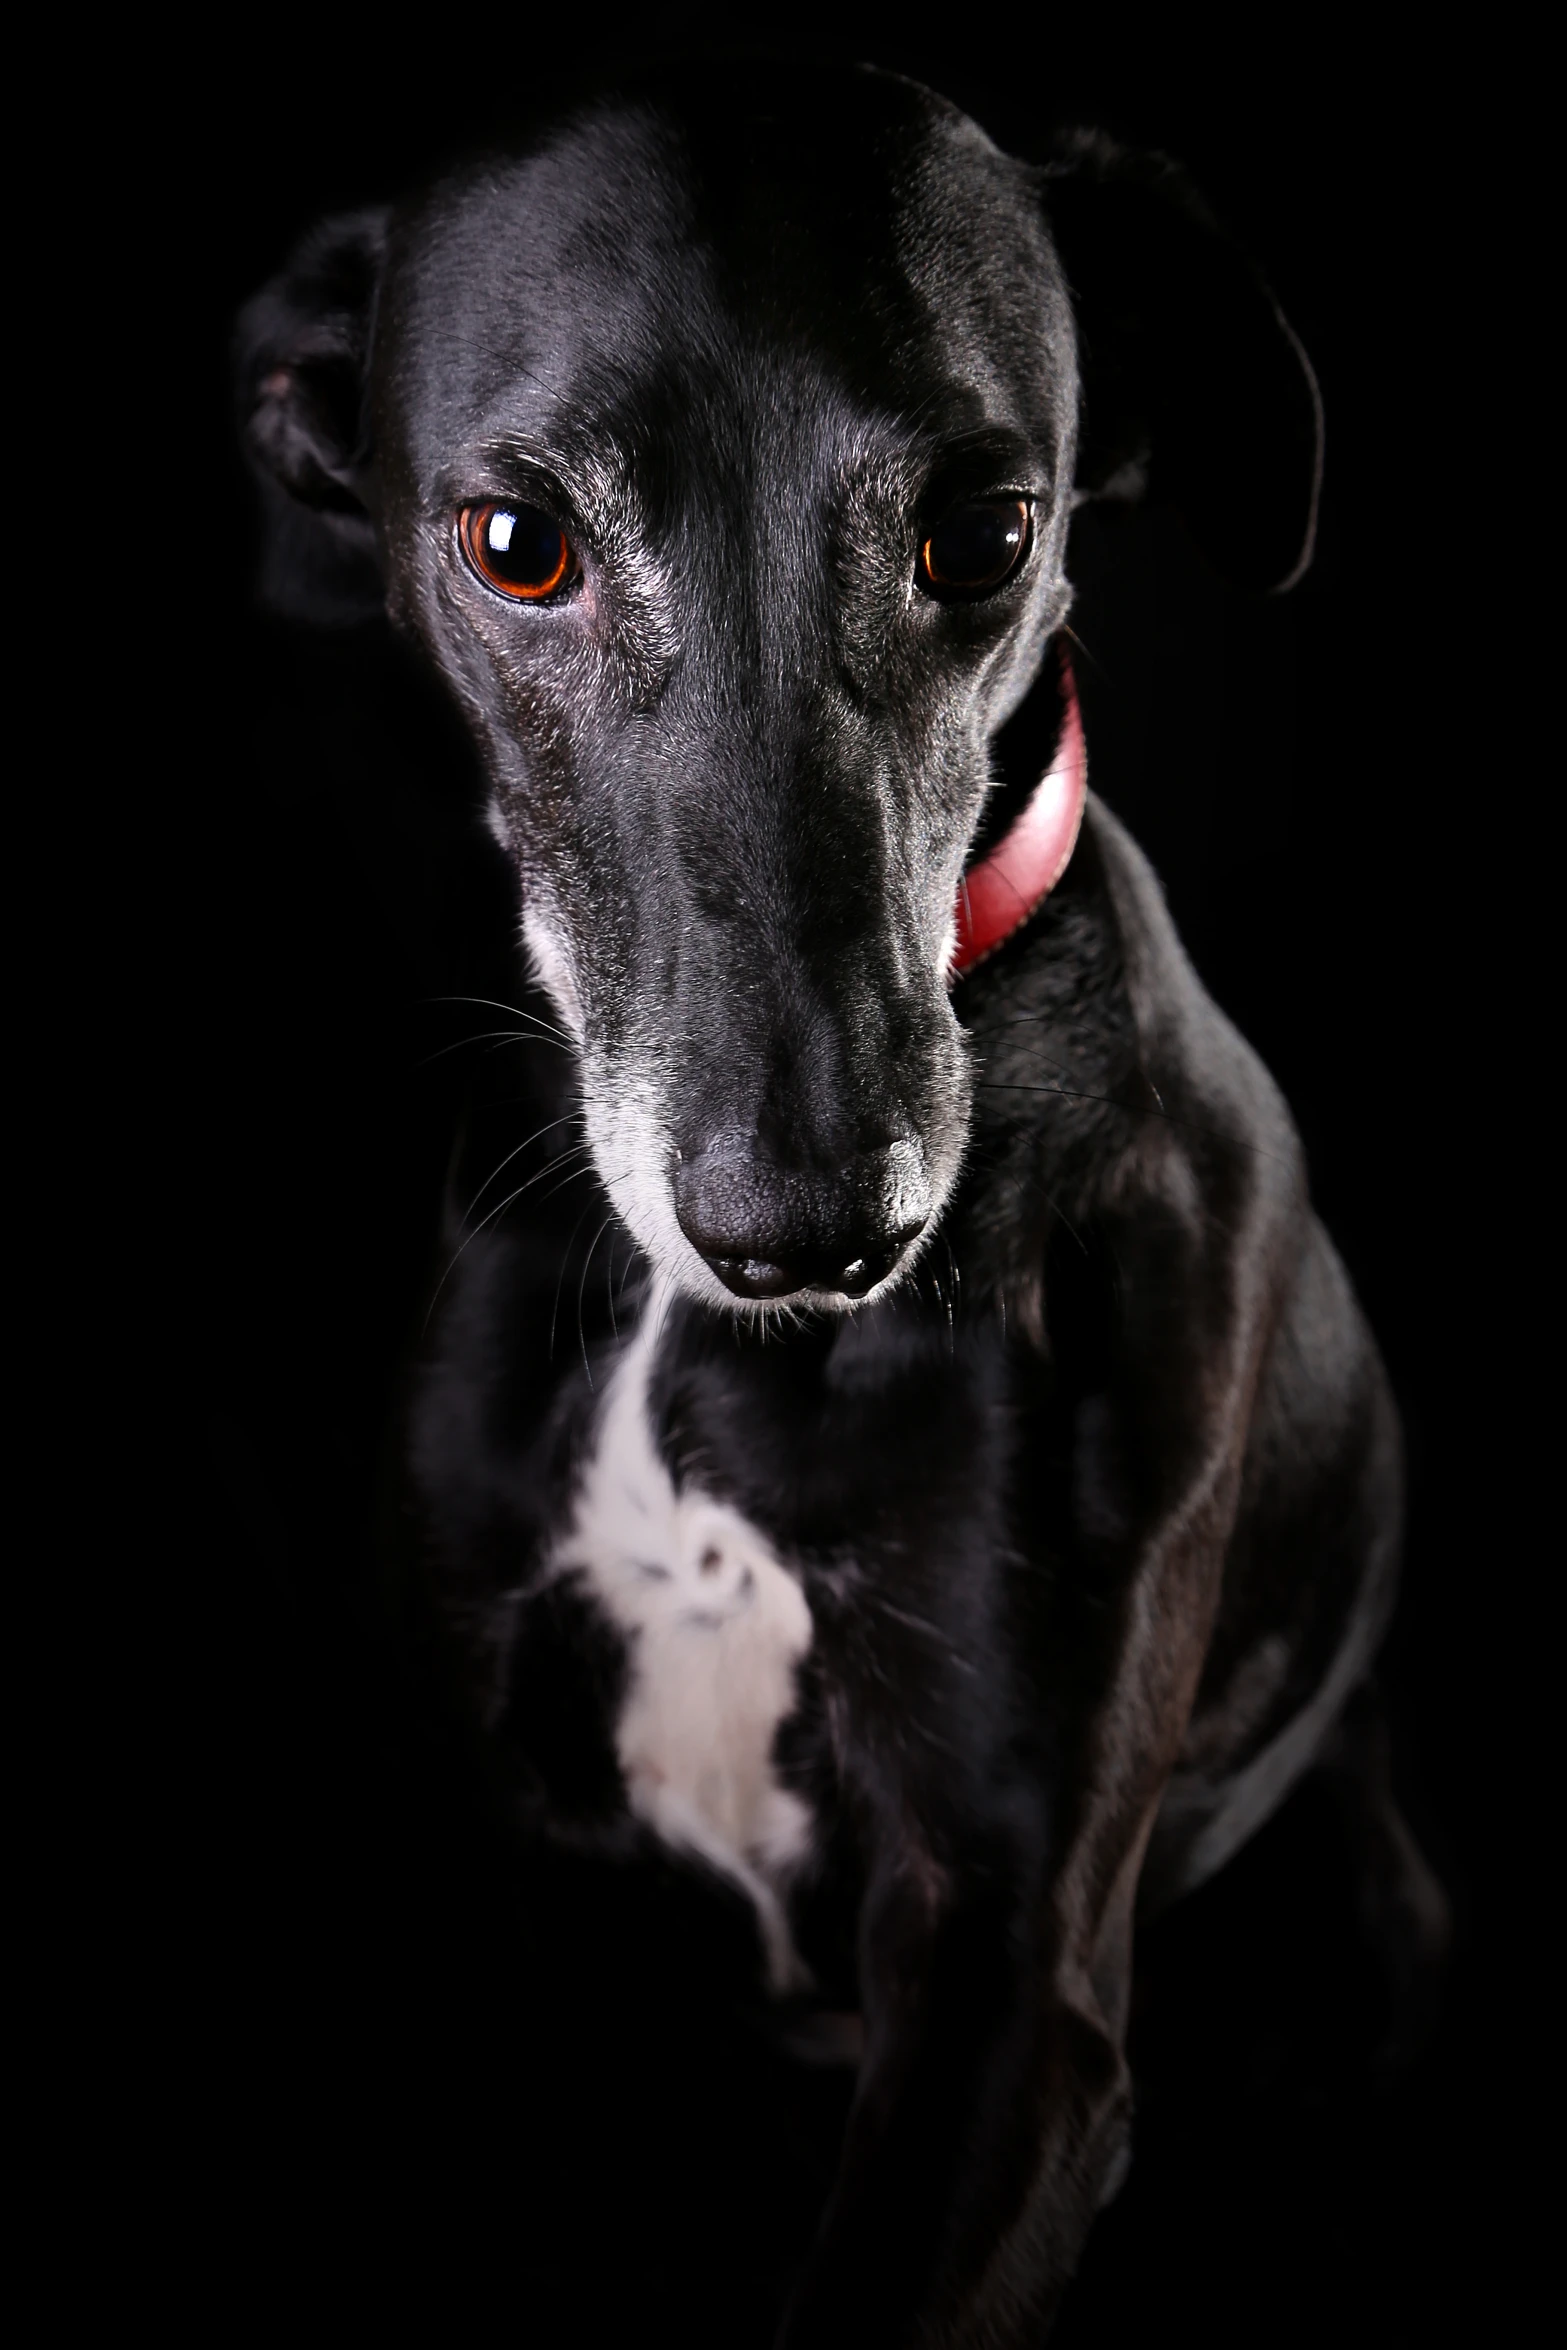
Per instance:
(715,1628)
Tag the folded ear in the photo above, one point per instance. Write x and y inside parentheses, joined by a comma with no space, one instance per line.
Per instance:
(1195,386)
(302,353)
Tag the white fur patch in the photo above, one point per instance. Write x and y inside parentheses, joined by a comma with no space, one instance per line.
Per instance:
(716,1628)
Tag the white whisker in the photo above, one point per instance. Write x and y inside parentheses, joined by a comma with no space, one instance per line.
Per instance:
(582,1287)
(515,1012)
(565,1259)
(490,1216)
(517,1153)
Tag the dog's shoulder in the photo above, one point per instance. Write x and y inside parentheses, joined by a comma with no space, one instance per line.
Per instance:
(1114,1095)
(1182,1036)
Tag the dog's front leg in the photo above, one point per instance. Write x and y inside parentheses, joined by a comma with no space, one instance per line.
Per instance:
(992,2119)
(942,2128)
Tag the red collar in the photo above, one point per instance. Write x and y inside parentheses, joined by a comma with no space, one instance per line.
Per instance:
(997,896)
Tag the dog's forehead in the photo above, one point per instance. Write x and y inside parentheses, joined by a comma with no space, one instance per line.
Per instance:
(885,249)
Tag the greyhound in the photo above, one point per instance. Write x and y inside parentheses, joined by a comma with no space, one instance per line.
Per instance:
(892,1443)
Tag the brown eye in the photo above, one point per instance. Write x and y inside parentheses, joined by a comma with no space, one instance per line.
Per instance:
(975,547)
(517,549)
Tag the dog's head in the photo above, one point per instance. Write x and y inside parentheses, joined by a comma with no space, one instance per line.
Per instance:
(719,443)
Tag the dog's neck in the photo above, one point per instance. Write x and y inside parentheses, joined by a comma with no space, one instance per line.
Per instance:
(997,896)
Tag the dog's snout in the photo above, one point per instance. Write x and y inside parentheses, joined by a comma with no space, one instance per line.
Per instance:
(771,1231)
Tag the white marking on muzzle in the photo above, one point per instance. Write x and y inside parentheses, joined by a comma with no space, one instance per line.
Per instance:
(551,960)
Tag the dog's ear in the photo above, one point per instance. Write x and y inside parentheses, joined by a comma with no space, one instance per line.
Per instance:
(1195,386)
(302,352)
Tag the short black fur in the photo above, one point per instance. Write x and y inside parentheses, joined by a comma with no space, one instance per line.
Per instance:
(1095,1502)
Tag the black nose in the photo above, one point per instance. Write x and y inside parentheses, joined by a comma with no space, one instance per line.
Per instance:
(771,1231)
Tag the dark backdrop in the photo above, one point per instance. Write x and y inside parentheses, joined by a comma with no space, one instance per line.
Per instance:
(336,2026)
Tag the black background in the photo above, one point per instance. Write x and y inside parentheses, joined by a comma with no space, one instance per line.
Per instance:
(330,2030)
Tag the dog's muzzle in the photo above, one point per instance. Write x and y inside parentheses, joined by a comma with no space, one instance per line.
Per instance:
(769,1231)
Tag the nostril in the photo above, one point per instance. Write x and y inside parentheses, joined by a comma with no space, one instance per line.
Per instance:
(755,1276)
(860,1277)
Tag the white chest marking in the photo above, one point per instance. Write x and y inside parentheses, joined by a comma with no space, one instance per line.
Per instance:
(716,1627)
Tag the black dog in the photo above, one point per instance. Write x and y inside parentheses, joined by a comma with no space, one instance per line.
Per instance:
(893,1441)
